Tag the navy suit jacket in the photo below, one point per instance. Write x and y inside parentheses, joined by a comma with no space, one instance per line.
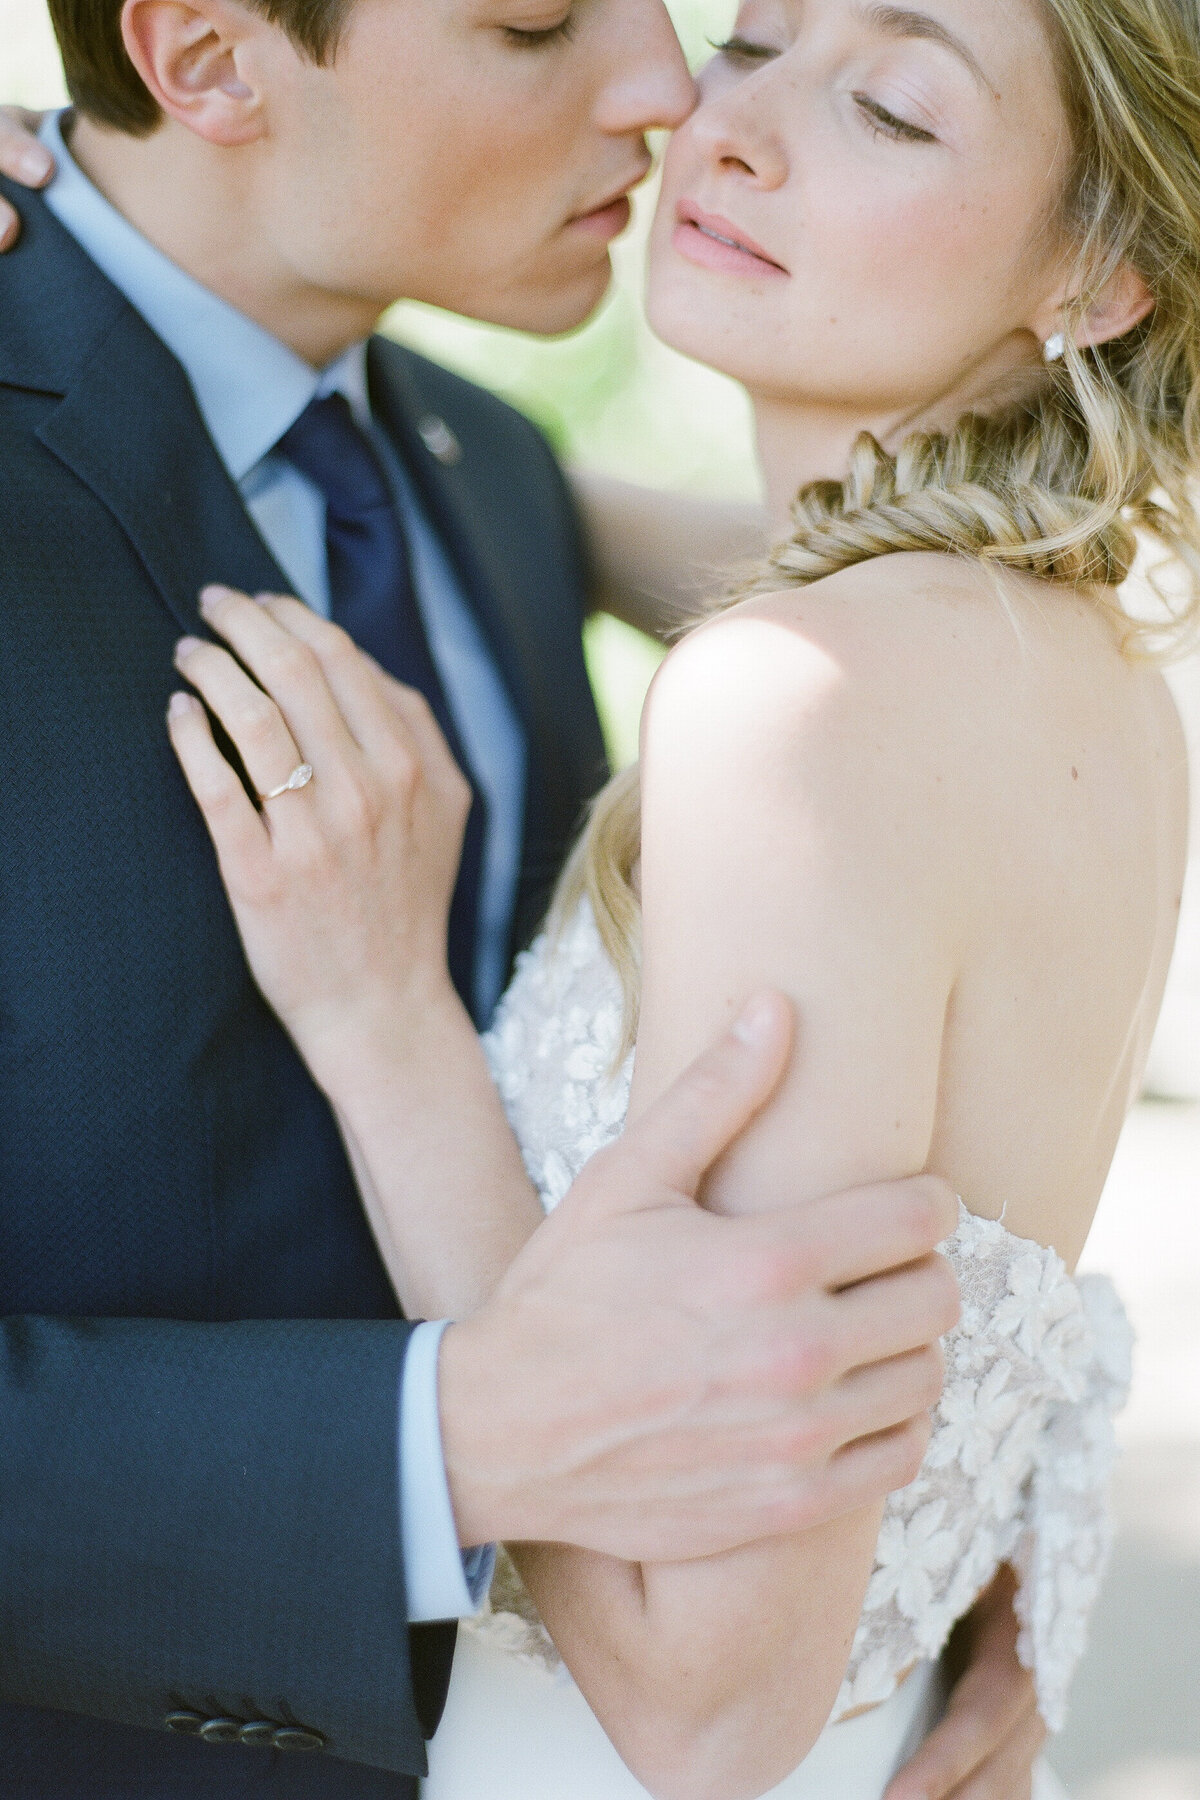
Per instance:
(200,1350)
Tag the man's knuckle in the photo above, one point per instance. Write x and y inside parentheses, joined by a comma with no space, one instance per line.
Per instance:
(806,1360)
(760,1275)
(809,1439)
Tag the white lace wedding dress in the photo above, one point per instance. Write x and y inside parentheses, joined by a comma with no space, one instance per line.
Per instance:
(1017,1468)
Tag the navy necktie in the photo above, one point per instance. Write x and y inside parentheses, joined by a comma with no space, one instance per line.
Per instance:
(372,597)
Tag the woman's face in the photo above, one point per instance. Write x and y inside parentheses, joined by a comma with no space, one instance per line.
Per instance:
(860,213)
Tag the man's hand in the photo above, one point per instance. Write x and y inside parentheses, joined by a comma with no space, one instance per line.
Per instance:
(987,1743)
(22,159)
(657,1382)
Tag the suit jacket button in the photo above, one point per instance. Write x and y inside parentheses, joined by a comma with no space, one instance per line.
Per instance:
(221,1731)
(258,1731)
(188,1723)
(296,1737)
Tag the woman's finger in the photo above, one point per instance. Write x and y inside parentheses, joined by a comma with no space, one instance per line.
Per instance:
(22,157)
(255,724)
(991,1720)
(23,160)
(238,833)
(286,668)
(1008,1773)
(971,1739)
(360,687)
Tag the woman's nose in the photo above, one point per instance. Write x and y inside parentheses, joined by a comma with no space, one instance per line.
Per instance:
(731,128)
(651,88)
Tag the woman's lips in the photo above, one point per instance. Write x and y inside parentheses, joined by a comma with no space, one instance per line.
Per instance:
(714,243)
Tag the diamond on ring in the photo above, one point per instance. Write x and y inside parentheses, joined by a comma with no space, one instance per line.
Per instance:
(300,777)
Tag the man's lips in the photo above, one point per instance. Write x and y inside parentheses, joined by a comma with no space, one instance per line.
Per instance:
(611,215)
(716,243)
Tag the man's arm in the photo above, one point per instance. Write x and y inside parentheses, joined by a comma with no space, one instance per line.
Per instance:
(200,1521)
(655,555)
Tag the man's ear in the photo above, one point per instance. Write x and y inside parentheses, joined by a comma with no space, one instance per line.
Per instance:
(191,55)
(1124,303)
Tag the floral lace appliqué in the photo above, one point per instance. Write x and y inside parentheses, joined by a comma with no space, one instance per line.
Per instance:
(1022,1449)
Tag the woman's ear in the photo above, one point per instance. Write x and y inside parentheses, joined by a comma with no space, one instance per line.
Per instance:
(1124,303)
(189,54)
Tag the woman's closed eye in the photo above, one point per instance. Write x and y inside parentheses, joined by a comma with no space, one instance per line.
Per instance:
(877,117)
(885,124)
(741,50)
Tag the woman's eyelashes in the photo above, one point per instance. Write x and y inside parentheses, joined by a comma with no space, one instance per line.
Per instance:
(740,49)
(885,124)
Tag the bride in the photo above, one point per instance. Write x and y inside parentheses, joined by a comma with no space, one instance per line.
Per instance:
(912,774)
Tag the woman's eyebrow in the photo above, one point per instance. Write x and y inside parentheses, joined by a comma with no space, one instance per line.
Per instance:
(905,22)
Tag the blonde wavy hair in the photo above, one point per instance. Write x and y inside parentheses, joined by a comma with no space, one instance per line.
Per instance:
(1061,482)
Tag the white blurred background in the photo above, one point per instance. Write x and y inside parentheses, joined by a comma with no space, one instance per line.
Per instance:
(610,396)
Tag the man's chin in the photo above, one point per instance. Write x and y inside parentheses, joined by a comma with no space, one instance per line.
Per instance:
(551,311)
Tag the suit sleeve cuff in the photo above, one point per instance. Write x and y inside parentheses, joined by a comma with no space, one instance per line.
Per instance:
(441,1581)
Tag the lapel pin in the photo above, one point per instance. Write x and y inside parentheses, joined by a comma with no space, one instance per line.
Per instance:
(439,440)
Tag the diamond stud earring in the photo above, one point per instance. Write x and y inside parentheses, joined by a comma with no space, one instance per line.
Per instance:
(1053,347)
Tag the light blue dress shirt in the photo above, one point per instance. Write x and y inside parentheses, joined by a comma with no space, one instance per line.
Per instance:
(250,389)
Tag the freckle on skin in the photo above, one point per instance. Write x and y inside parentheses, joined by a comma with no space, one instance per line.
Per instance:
(1074,774)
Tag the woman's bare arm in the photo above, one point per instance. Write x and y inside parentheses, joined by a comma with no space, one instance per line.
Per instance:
(770,854)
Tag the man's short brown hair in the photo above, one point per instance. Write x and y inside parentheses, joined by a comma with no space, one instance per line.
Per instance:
(104,84)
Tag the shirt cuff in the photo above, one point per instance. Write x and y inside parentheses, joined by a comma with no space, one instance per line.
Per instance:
(441,1581)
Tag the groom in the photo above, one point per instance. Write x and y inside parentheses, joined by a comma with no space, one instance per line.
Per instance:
(227,1522)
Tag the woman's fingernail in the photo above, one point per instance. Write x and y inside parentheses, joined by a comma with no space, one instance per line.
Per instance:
(179,704)
(185,646)
(753,1023)
(212,596)
(8,232)
(35,164)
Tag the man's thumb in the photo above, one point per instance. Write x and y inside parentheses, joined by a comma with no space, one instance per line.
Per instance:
(679,1137)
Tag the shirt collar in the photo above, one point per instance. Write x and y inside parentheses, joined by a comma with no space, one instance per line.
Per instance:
(249,386)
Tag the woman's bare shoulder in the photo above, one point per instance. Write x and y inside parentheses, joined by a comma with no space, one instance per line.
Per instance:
(939,644)
(910,643)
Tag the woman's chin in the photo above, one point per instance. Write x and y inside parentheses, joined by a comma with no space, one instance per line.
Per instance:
(695,325)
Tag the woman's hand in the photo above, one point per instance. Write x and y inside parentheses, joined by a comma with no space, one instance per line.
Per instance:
(987,1742)
(341,888)
(23,160)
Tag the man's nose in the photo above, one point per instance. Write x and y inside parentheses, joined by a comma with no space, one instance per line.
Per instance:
(651,88)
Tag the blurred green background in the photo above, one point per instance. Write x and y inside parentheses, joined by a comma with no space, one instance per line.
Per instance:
(609,396)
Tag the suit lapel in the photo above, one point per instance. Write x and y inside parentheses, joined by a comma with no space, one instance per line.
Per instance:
(446,496)
(129,428)
(127,423)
